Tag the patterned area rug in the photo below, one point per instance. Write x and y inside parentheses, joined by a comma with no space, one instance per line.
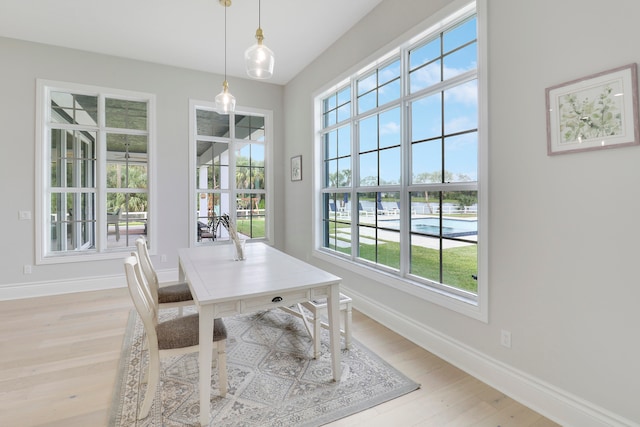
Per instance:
(273,379)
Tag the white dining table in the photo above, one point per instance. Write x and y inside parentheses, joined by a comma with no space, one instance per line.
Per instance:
(267,278)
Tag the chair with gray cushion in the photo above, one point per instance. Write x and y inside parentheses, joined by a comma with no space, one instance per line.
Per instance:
(166,295)
(172,337)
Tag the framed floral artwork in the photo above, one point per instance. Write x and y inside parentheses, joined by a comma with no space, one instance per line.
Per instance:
(595,112)
(296,168)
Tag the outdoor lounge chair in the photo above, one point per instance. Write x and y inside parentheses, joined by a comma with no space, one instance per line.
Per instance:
(381,210)
(204,232)
(339,213)
(114,218)
(363,211)
(397,210)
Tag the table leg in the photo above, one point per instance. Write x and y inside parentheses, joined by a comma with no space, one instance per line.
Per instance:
(333,308)
(204,361)
(180,272)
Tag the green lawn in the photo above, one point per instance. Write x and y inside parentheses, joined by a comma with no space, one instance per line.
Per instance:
(252,227)
(458,264)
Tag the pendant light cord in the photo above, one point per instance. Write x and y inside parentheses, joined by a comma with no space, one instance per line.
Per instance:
(225,42)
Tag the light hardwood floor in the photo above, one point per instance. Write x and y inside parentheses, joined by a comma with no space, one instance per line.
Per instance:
(59,356)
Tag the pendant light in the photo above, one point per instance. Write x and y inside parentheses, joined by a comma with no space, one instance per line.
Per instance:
(225,102)
(259,58)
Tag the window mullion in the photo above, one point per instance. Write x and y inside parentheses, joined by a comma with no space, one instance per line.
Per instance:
(232,187)
(101,176)
(405,167)
(355,170)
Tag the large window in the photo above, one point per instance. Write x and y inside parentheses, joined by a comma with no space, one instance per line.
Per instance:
(229,174)
(93,185)
(399,153)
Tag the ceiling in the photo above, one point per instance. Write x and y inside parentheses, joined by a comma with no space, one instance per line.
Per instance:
(187,33)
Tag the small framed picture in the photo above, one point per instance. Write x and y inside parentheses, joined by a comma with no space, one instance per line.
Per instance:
(296,168)
(595,112)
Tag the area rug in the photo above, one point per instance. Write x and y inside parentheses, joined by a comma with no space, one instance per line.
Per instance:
(273,379)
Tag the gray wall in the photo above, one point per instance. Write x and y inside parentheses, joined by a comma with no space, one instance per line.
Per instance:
(23,63)
(563,230)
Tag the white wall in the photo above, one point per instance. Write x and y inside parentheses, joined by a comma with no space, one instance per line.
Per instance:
(563,230)
(22,64)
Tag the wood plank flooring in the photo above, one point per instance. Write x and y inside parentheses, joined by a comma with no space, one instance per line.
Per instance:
(59,356)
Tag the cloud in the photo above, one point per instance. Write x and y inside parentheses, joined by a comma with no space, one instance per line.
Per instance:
(425,77)
(460,123)
(366,84)
(430,75)
(465,94)
(390,128)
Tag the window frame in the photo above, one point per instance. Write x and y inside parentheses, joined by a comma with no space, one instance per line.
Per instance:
(233,191)
(474,306)
(43,189)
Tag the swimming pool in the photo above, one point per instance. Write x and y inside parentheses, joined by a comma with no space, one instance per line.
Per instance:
(431,226)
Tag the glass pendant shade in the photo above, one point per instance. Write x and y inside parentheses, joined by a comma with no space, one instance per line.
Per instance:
(259,59)
(225,102)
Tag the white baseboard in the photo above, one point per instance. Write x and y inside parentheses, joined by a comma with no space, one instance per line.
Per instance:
(58,287)
(68,286)
(544,398)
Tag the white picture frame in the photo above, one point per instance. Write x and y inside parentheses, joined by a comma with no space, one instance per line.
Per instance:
(595,112)
(296,168)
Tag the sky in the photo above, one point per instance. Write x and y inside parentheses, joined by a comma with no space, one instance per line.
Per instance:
(459,103)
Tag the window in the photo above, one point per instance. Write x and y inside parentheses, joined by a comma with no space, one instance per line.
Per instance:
(399,150)
(93,145)
(229,173)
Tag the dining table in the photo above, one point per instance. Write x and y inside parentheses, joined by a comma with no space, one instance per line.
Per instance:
(265,279)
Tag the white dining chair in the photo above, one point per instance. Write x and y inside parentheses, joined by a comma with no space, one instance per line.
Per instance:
(312,319)
(173,337)
(166,295)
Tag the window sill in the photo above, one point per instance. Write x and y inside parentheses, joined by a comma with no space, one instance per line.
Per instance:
(436,296)
(84,257)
